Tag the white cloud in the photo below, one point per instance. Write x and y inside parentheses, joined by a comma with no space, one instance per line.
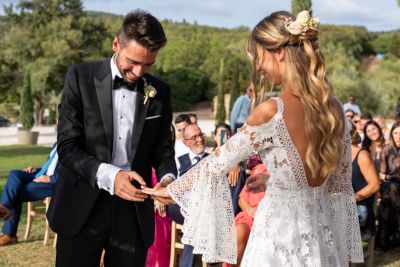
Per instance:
(375,15)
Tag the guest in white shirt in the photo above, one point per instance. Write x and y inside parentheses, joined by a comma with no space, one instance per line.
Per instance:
(352,105)
(181,121)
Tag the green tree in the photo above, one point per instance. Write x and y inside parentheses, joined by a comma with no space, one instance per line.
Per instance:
(221,114)
(385,81)
(300,5)
(235,88)
(50,35)
(26,105)
(394,45)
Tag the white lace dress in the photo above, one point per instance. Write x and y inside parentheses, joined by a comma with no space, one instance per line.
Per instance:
(295,225)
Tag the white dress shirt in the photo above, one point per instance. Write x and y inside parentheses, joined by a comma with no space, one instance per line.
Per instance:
(124,106)
(193,156)
(353,107)
(52,167)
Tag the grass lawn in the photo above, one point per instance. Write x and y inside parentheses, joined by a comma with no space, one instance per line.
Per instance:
(32,252)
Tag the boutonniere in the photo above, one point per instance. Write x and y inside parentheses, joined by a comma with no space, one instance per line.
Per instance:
(149,91)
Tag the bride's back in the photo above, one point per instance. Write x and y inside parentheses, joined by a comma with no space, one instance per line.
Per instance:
(294,118)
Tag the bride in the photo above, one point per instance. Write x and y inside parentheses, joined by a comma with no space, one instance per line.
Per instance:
(308,215)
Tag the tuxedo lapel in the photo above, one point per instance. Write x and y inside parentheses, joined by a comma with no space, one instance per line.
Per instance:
(140,117)
(103,83)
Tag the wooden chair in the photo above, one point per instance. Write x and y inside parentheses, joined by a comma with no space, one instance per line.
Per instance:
(176,230)
(38,212)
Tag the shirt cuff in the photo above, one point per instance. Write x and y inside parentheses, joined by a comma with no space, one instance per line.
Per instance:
(168,175)
(106,176)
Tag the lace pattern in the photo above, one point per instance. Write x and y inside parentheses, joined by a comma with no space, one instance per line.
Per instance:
(342,206)
(204,197)
(295,225)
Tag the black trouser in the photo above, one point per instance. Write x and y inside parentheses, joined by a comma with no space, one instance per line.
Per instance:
(112,226)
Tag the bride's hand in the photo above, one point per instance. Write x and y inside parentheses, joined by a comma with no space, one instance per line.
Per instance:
(159,193)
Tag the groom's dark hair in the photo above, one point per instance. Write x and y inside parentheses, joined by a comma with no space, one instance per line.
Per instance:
(144,28)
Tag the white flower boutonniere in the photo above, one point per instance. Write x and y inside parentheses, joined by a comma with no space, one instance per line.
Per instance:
(149,91)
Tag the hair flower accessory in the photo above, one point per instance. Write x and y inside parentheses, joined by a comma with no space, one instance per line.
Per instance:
(304,21)
(149,91)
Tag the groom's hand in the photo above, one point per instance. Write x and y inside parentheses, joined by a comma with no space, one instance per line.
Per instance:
(124,188)
(257,183)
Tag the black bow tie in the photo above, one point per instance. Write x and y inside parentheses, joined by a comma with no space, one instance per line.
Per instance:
(120,82)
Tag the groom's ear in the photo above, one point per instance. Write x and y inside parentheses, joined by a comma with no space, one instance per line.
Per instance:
(116,44)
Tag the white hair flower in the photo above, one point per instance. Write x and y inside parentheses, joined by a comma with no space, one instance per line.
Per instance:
(303,17)
(302,24)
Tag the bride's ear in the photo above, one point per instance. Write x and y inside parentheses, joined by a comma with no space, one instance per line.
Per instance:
(280,54)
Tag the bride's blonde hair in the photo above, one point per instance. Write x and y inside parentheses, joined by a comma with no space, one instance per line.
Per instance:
(306,76)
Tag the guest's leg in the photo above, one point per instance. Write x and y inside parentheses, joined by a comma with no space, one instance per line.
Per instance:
(26,192)
(187,259)
(15,183)
(242,235)
(10,198)
(10,227)
(174,212)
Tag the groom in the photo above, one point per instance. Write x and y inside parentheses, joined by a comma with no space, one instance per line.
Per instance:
(114,126)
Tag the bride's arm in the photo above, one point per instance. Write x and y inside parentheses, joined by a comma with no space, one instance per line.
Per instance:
(203,192)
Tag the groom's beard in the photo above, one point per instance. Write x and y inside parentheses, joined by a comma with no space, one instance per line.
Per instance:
(132,78)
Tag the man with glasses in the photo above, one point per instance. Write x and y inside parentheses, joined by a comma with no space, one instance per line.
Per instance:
(194,139)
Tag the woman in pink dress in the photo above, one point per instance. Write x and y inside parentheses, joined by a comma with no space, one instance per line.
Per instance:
(159,253)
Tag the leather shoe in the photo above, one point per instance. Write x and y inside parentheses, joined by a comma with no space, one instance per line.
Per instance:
(5,213)
(6,240)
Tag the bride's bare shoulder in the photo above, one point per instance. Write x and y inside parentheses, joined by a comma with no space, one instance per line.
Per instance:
(262,113)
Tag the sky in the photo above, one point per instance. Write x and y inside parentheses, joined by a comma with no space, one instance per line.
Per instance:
(375,15)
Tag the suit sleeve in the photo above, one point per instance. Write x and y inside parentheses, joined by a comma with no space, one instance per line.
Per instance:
(163,157)
(71,137)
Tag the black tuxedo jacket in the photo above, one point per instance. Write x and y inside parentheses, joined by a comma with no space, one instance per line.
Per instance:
(85,140)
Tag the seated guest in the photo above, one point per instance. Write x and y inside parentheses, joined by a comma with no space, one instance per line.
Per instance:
(26,185)
(181,121)
(365,183)
(388,235)
(194,139)
(193,118)
(349,114)
(373,141)
(382,124)
(158,254)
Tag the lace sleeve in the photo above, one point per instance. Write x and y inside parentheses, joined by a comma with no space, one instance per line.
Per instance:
(204,197)
(342,205)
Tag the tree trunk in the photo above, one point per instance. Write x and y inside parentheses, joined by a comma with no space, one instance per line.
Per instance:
(38,112)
